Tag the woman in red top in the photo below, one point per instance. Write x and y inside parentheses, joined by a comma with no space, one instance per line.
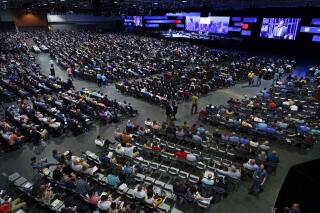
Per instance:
(156,147)
(181,154)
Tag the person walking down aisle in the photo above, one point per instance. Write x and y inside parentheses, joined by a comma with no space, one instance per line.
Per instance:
(169,111)
(194,107)
(69,72)
(251,77)
(260,75)
(99,79)
(175,109)
(52,72)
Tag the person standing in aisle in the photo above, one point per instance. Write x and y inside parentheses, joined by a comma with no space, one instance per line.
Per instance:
(52,72)
(99,79)
(174,109)
(260,75)
(69,72)
(251,77)
(104,79)
(194,107)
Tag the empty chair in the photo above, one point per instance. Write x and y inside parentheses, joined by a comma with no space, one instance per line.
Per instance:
(173,171)
(163,169)
(129,194)
(165,208)
(20,181)
(183,175)
(154,166)
(149,180)
(14,177)
(193,179)
(204,204)
(139,177)
(122,189)
(159,183)
(201,166)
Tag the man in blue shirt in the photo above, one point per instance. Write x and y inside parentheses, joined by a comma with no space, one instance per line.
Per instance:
(273,158)
(244,140)
(262,127)
(234,138)
(197,138)
(303,129)
(113,180)
(99,79)
(208,181)
(258,179)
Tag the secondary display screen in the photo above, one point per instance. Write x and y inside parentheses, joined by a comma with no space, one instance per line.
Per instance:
(280,28)
(213,24)
(137,21)
(192,23)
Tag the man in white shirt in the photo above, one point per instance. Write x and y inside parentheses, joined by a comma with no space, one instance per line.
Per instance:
(119,149)
(139,192)
(104,203)
(98,141)
(294,108)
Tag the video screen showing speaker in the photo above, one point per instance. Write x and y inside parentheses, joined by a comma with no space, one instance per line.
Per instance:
(280,28)
(137,21)
(219,24)
(192,23)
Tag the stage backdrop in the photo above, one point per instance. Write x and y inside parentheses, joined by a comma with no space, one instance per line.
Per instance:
(28,19)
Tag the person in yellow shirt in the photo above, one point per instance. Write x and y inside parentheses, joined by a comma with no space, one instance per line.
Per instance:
(251,76)
(194,107)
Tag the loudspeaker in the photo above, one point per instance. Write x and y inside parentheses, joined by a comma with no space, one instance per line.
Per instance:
(302,186)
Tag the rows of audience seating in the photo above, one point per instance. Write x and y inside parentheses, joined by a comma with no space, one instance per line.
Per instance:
(202,78)
(287,112)
(149,166)
(45,104)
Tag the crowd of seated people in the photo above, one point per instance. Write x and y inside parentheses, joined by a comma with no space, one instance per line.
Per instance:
(181,82)
(212,157)
(10,202)
(288,112)
(93,182)
(20,74)
(45,104)
(116,59)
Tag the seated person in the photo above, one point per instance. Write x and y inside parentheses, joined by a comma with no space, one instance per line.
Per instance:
(130,150)
(113,179)
(93,197)
(139,192)
(45,193)
(244,140)
(99,141)
(119,149)
(234,138)
(118,134)
(150,195)
(232,172)
(82,186)
(181,154)
(8,205)
(193,195)
(208,181)
(251,165)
